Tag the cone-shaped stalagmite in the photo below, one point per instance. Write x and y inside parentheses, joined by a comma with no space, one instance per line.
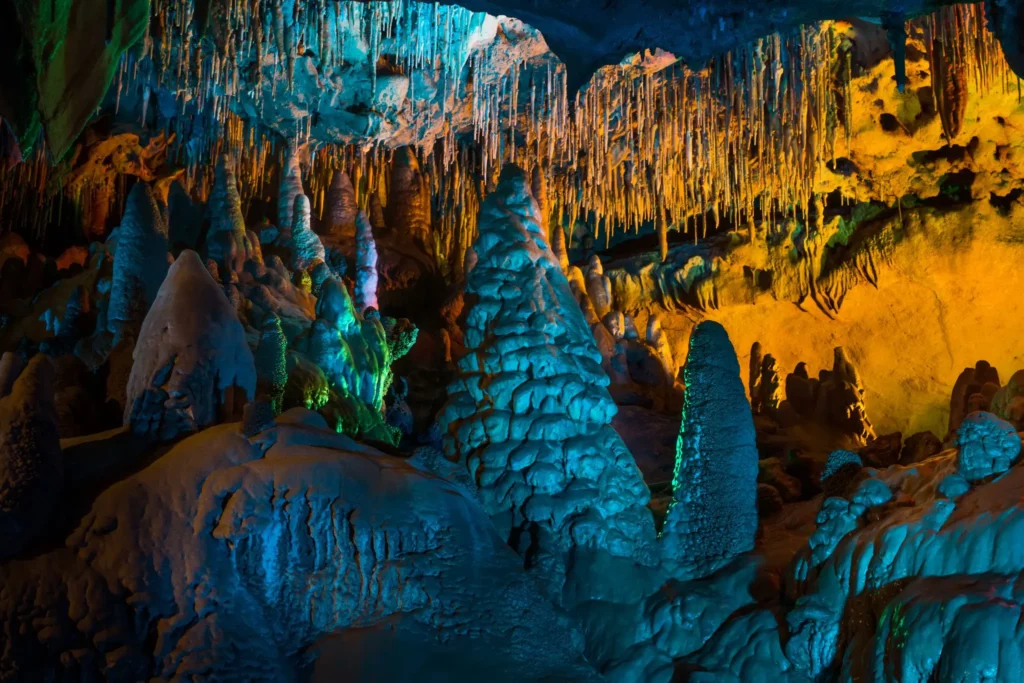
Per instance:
(140,263)
(408,208)
(713,516)
(227,241)
(366,265)
(340,218)
(529,413)
(192,363)
(305,245)
(558,247)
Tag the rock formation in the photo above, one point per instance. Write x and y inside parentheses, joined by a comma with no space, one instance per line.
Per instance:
(340,217)
(599,287)
(192,363)
(987,446)
(227,243)
(289,189)
(713,516)
(408,208)
(769,386)
(529,414)
(305,246)
(31,465)
(270,361)
(140,262)
(247,580)
(366,265)
(351,350)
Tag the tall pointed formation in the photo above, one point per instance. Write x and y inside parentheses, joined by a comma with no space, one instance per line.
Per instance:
(227,243)
(193,366)
(529,412)
(140,262)
(305,245)
(290,188)
(366,265)
(713,515)
(340,218)
(408,207)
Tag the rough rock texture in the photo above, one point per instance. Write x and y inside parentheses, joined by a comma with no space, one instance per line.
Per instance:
(192,363)
(366,265)
(31,465)
(11,365)
(140,262)
(529,414)
(251,559)
(713,516)
(912,578)
(270,360)
(987,445)
(226,243)
(305,245)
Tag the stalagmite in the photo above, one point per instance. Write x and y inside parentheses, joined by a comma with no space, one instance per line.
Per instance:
(227,243)
(192,364)
(366,265)
(770,385)
(290,188)
(140,263)
(754,378)
(408,208)
(305,246)
(657,338)
(31,463)
(340,218)
(558,247)
(713,515)
(351,350)
(271,363)
(599,287)
(529,413)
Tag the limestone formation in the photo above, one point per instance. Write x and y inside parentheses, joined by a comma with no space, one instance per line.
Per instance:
(289,189)
(754,378)
(529,415)
(270,361)
(969,383)
(31,465)
(769,386)
(713,515)
(559,248)
(366,265)
(193,366)
(657,338)
(987,445)
(140,262)
(351,350)
(340,217)
(306,247)
(227,243)
(599,287)
(408,208)
(11,365)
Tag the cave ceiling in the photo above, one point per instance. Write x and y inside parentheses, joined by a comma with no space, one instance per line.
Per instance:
(66,67)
